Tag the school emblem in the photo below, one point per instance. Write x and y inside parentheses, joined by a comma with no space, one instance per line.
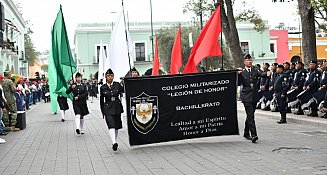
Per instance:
(144,112)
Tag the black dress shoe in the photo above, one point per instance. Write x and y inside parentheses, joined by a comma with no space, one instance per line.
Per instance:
(78,131)
(115,146)
(281,122)
(313,115)
(63,120)
(324,116)
(299,113)
(254,139)
(4,133)
(247,137)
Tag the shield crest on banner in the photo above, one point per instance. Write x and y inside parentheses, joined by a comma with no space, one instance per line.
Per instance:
(144,112)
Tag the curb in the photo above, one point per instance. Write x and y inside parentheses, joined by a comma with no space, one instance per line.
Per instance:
(291,118)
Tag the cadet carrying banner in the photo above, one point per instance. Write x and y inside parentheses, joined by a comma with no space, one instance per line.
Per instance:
(168,108)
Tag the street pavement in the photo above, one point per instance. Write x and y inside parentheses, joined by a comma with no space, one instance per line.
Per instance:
(49,146)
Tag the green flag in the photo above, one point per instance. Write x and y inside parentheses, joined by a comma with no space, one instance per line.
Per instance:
(61,62)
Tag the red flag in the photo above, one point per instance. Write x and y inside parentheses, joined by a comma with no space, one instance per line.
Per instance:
(176,54)
(207,43)
(156,63)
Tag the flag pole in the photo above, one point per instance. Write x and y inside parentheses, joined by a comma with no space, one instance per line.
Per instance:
(221,38)
(69,51)
(129,57)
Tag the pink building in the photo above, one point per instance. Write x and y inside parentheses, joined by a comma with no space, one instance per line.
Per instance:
(279,45)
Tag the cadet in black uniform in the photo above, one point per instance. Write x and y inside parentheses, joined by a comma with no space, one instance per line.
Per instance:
(248,77)
(79,91)
(280,87)
(111,106)
(312,85)
(297,86)
(63,105)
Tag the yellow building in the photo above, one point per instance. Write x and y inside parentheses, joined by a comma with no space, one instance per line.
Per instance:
(294,45)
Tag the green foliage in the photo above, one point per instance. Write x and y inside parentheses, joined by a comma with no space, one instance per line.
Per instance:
(252,16)
(44,67)
(166,38)
(30,52)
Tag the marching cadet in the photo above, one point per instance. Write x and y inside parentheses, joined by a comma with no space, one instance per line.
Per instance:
(111,106)
(63,105)
(269,96)
(297,86)
(80,94)
(312,85)
(135,73)
(280,88)
(248,77)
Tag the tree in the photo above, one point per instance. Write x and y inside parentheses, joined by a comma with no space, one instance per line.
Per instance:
(307,14)
(44,67)
(320,7)
(30,52)
(251,15)
(166,38)
(204,7)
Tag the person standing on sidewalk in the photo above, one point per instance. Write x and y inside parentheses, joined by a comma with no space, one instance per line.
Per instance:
(2,101)
(280,87)
(111,106)
(10,107)
(63,105)
(80,94)
(248,77)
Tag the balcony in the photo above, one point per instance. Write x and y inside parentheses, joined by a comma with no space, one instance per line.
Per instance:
(10,48)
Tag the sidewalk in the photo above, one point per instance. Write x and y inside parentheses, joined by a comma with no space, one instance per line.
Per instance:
(301,119)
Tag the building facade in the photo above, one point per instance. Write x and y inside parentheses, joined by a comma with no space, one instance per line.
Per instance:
(279,45)
(12,51)
(88,38)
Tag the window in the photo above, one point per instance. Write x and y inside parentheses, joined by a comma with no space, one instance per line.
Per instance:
(272,47)
(98,53)
(140,51)
(245,47)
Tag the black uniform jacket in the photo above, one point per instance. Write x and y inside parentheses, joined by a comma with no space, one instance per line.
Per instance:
(313,81)
(249,80)
(109,99)
(299,78)
(281,84)
(79,91)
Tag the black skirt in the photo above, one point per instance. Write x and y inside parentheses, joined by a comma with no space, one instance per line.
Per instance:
(114,121)
(80,109)
(62,101)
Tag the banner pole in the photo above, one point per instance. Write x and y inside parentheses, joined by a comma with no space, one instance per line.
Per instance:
(126,37)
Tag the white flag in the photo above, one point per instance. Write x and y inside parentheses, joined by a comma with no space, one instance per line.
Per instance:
(118,54)
(102,61)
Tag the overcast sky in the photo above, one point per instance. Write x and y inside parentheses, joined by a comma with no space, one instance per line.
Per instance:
(42,13)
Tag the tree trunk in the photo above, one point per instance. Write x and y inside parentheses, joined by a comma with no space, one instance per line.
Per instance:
(308,31)
(231,34)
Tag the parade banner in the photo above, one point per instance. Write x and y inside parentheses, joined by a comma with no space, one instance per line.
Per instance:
(176,107)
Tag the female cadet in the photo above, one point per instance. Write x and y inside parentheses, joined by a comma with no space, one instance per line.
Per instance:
(79,91)
(111,106)
(63,105)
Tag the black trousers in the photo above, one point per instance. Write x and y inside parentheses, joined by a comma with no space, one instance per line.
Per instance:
(249,122)
(282,106)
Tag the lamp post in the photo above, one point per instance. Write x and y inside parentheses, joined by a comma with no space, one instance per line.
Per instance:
(151,38)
